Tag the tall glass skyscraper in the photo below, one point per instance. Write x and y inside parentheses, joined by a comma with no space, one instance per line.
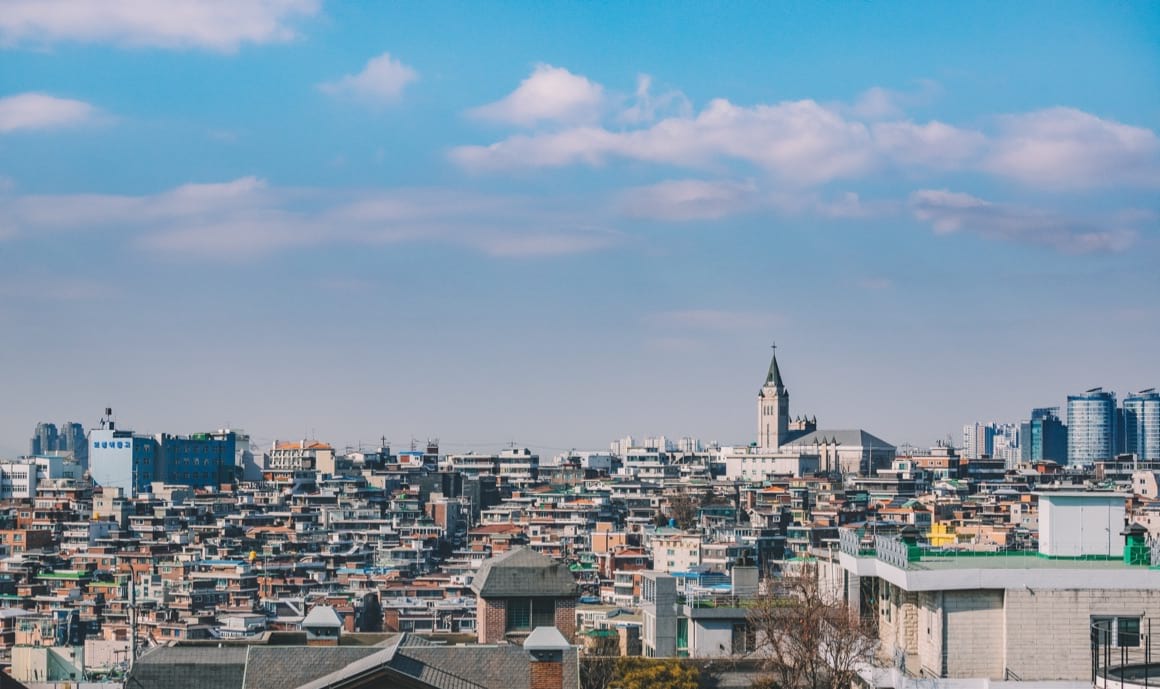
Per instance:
(1044,436)
(1091,426)
(1142,425)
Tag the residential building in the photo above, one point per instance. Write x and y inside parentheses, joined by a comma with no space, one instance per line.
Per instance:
(1003,615)
(1091,426)
(1044,437)
(1142,425)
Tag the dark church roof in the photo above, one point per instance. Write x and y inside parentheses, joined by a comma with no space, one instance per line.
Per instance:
(774,375)
(524,572)
(855,437)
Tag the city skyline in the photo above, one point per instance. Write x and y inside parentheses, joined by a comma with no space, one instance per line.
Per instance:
(403,441)
(307,218)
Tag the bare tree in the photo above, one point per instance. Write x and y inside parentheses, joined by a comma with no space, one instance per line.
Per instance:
(598,663)
(810,641)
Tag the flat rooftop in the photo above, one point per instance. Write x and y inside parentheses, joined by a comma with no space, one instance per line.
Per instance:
(1014,560)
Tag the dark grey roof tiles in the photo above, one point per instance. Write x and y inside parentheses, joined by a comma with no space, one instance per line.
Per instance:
(182,667)
(272,667)
(524,572)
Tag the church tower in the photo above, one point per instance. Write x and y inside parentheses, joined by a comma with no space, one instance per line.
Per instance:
(772,409)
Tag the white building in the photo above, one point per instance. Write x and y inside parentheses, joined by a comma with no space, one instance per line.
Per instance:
(994,617)
(20,478)
(300,455)
(759,464)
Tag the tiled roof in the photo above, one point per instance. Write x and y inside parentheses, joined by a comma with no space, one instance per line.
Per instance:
(445,667)
(182,667)
(523,572)
(279,667)
(302,445)
(844,437)
(322,616)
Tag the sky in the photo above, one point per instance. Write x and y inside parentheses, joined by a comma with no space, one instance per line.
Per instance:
(556,224)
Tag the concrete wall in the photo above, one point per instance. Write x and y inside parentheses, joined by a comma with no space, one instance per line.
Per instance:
(710,638)
(974,633)
(1048,633)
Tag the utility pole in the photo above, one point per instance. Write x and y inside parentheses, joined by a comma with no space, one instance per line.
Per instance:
(132,617)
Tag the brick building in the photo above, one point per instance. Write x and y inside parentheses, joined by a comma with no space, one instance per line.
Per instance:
(521,590)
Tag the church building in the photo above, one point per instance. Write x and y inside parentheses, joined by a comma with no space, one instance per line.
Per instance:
(844,451)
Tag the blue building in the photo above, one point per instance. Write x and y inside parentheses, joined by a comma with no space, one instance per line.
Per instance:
(1141,413)
(132,462)
(1044,436)
(1091,427)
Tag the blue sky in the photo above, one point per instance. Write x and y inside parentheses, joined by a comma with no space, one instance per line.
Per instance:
(558,224)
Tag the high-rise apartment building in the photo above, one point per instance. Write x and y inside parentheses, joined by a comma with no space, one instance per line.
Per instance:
(44,439)
(1141,415)
(995,440)
(1091,426)
(70,437)
(978,440)
(1044,436)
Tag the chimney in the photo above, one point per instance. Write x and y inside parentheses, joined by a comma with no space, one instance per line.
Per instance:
(547,648)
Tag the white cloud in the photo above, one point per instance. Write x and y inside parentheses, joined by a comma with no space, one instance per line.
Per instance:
(877,102)
(694,199)
(800,143)
(246,217)
(42,111)
(777,137)
(382,79)
(549,94)
(804,143)
(645,106)
(689,199)
(934,145)
(949,212)
(1065,148)
(218,25)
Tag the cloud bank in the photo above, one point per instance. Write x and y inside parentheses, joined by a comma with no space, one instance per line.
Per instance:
(215,25)
(805,143)
(31,111)
(246,218)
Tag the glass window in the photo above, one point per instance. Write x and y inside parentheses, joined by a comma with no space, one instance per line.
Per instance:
(519,614)
(1128,631)
(1120,632)
(544,613)
(525,614)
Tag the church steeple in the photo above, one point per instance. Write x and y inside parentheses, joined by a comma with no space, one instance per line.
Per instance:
(774,376)
(772,409)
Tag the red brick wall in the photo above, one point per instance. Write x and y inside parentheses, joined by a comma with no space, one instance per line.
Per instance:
(566,617)
(546,675)
(490,620)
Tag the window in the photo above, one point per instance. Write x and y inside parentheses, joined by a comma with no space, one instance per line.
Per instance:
(525,614)
(1120,632)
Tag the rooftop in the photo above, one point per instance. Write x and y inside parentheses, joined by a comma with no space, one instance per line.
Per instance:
(523,572)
